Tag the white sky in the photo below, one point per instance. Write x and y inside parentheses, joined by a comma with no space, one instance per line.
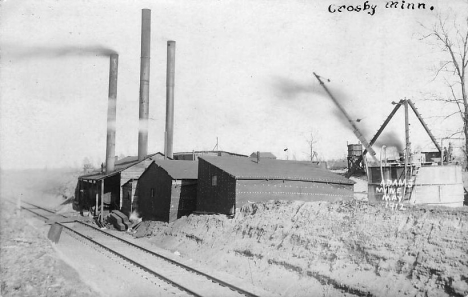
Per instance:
(244,74)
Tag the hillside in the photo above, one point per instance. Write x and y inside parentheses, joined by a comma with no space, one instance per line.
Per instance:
(330,249)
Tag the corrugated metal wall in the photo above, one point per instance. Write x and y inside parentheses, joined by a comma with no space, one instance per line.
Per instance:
(264,190)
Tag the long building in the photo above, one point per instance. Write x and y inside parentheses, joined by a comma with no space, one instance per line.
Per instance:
(227,183)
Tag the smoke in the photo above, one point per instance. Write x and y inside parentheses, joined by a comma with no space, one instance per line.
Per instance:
(53,52)
(390,139)
(288,89)
(143,125)
(135,217)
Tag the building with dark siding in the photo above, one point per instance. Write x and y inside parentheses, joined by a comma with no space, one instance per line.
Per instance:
(263,155)
(225,184)
(167,190)
(107,185)
(193,156)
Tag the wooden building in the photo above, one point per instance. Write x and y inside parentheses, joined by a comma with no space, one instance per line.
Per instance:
(263,155)
(225,184)
(167,190)
(193,156)
(107,186)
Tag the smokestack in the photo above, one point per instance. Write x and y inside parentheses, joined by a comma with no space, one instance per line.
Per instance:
(258,157)
(144,83)
(170,98)
(111,112)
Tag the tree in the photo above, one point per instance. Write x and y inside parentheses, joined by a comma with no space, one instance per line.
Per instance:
(87,165)
(452,38)
(312,139)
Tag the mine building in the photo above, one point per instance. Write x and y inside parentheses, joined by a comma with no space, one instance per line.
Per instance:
(225,184)
(263,155)
(428,178)
(167,190)
(107,186)
(193,156)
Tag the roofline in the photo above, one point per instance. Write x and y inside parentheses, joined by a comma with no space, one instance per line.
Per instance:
(154,162)
(197,152)
(122,169)
(294,179)
(280,178)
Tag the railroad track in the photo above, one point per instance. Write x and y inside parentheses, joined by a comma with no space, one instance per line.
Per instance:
(170,275)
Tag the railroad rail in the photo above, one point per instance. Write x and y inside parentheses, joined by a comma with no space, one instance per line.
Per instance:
(156,266)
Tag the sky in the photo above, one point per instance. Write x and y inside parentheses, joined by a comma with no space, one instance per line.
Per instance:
(244,76)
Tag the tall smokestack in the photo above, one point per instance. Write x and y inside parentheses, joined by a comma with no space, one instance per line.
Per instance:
(170,98)
(144,83)
(111,112)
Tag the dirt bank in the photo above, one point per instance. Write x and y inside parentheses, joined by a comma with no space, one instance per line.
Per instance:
(330,249)
(29,264)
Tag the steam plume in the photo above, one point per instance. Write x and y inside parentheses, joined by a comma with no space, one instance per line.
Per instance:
(51,52)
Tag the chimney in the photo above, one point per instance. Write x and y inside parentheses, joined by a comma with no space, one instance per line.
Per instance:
(111,112)
(258,157)
(170,99)
(144,83)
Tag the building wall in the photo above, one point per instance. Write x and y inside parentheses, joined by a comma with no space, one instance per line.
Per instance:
(183,198)
(215,198)
(229,193)
(439,185)
(171,199)
(154,194)
(264,190)
(112,186)
(127,193)
(88,191)
(135,171)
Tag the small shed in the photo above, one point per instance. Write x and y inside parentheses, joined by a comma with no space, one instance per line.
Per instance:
(225,184)
(93,187)
(167,190)
(263,155)
(193,155)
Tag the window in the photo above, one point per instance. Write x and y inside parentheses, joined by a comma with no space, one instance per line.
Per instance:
(214,180)
(152,192)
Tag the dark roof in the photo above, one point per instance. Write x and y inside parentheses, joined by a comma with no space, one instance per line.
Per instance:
(247,168)
(119,166)
(267,155)
(209,153)
(179,169)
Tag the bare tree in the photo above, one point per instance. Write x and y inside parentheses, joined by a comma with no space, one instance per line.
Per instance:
(452,38)
(312,139)
(87,165)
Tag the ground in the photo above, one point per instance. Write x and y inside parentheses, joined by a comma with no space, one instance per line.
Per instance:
(287,248)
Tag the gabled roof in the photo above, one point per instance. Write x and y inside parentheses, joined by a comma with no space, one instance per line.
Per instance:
(179,169)
(248,168)
(119,166)
(267,155)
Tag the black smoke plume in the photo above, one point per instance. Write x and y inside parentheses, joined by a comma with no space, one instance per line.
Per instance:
(288,89)
(52,52)
(390,139)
